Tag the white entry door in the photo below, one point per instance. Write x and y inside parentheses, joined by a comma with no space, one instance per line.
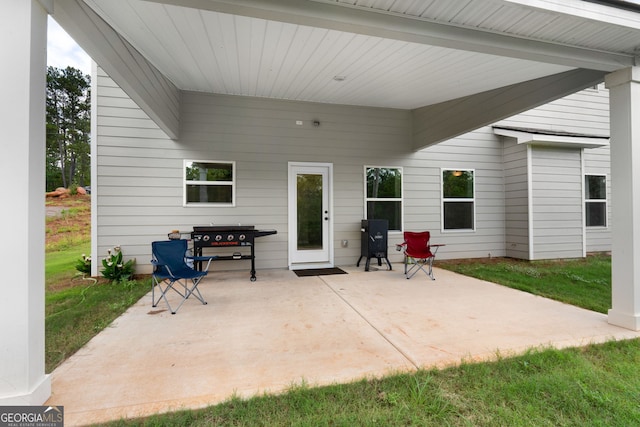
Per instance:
(310,220)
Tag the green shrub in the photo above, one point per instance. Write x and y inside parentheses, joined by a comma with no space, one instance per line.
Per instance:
(84,264)
(114,268)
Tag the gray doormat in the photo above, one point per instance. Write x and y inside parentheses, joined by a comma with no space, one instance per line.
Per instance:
(319,272)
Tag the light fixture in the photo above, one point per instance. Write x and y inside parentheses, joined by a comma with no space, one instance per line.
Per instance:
(457,173)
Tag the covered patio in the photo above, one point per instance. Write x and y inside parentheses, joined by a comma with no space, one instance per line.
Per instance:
(265,336)
(452,66)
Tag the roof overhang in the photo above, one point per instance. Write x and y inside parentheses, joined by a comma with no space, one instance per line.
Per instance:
(422,56)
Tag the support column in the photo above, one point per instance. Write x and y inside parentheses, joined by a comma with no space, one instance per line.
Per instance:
(23,44)
(624,101)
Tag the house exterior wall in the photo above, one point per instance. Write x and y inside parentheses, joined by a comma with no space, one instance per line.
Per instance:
(139,174)
(140,186)
(480,151)
(585,112)
(262,136)
(557,210)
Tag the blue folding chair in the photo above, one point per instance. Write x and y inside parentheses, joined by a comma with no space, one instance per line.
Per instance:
(173,269)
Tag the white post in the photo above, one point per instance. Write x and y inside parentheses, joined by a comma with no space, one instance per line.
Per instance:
(23,44)
(624,92)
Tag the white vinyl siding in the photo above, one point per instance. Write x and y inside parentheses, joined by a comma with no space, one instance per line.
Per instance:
(480,151)
(516,188)
(140,170)
(557,203)
(585,112)
(139,174)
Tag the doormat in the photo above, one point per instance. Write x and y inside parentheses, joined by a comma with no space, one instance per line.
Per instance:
(319,272)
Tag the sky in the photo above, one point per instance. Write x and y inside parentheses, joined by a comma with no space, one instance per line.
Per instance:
(62,50)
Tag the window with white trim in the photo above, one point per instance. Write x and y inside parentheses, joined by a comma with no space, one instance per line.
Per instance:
(209,183)
(458,200)
(595,200)
(383,195)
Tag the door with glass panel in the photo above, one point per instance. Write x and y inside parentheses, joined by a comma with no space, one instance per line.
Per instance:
(310,221)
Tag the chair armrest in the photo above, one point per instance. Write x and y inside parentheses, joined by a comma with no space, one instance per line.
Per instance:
(399,246)
(202,259)
(437,246)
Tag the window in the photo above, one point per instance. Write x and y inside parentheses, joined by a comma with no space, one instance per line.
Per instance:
(595,197)
(209,182)
(383,198)
(458,199)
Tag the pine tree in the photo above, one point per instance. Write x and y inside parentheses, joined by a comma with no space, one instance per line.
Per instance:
(68,128)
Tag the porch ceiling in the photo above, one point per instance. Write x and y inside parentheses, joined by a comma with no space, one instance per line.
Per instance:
(457,65)
(402,54)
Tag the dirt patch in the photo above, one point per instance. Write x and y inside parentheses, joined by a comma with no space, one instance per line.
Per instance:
(52,211)
(68,219)
(69,202)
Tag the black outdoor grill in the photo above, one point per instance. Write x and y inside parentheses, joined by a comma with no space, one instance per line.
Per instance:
(228,236)
(373,242)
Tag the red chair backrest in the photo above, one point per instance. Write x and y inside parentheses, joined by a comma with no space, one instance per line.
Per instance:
(417,241)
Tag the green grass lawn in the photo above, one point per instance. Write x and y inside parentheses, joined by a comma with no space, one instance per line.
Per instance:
(60,264)
(77,308)
(584,282)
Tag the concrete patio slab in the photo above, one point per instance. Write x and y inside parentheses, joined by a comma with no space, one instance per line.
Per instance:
(282,330)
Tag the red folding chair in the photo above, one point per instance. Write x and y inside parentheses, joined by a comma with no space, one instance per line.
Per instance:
(418,252)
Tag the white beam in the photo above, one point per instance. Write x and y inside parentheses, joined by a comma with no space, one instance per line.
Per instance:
(346,18)
(140,79)
(624,99)
(23,39)
(439,122)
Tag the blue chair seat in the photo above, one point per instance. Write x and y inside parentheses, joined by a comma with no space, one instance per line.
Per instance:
(172,272)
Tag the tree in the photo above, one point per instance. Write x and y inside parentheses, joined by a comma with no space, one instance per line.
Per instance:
(68,128)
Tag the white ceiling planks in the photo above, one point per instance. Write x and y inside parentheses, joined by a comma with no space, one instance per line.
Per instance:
(201,49)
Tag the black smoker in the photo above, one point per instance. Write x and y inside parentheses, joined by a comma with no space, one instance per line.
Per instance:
(374,241)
